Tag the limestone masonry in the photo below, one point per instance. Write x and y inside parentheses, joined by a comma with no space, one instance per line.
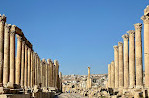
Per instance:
(24,74)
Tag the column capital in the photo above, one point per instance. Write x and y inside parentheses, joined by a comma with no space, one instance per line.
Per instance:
(146,10)
(12,30)
(112,62)
(7,26)
(120,44)
(125,37)
(145,18)
(131,32)
(138,26)
(2,18)
(19,37)
(115,47)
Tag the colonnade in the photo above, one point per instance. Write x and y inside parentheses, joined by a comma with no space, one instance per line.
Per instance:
(25,69)
(126,71)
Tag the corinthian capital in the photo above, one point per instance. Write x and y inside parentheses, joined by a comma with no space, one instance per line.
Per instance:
(125,37)
(131,32)
(7,26)
(146,10)
(115,48)
(120,44)
(145,19)
(138,27)
(2,18)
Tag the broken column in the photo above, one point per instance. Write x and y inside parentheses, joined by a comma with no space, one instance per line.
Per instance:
(131,58)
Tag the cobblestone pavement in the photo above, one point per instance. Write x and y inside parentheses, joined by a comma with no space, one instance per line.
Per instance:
(69,95)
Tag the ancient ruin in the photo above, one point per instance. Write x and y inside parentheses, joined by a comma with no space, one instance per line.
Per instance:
(24,74)
(127,65)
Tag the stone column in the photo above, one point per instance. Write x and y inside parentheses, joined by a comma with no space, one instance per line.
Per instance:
(126,67)
(29,67)
(12,55)
(46,73)
(23,64)
(138,50)
(49,74)
(116,59)
(18,60)
(32,68)
(131,59)
(121,65)
(2,24)
(112,75)
(56,72)
(109,75)
(41,73)
(6,54)
(26,66)
(60,76)
(88,79)
(35,68)
(145,19)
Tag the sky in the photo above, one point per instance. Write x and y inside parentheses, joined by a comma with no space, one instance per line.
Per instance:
(78,33)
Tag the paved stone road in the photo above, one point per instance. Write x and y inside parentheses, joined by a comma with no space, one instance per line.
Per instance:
(69,95)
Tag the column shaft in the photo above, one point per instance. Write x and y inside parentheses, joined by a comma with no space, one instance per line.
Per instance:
(26,66)
(116,61)
(29,67)
(131,58)
(2,24)
(6,54)
(126,67)
(112,75)
(23,64)
(18,59)
(121,65)
(109,75)
(12,55)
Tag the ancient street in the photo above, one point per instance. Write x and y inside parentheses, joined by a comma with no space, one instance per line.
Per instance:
(69,95)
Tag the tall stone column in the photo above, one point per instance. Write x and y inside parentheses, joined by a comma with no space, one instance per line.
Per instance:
(26,66)
(29,67)
(35,68)
(12,55)
(2,24)
(46,73)
(41,78)
(121,65)
(126,67)
(138,50)
(116,61)
(23,64)
(6,54)
(131,59)
(145,19)
(18,59)
(49,74)
(32,69)
(112,75)
(109,75)
(56,72)
(60,76)
(88,79)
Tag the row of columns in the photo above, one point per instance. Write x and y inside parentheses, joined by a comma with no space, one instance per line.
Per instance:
(26,69)
(126,71)
(127,67)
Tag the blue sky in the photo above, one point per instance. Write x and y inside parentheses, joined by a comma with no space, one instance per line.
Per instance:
(78,33)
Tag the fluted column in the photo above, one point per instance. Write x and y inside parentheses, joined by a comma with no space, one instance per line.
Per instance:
(116,61)
(145,19)
(109,75)
(126,67)
(35,68)
(12,55)
(56,72)
(2,24)
(49,74)
(6,54)
(18,59)
(29,67)
(23,64)
(131,58)
(112,75)
(138,50)
(26,66)
(121,65)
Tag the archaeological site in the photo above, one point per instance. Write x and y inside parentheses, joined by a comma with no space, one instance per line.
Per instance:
(70,51)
